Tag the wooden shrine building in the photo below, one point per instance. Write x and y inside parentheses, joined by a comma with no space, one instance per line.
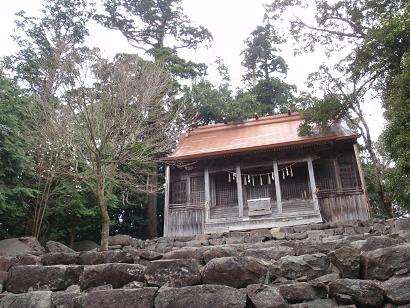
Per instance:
(261,174)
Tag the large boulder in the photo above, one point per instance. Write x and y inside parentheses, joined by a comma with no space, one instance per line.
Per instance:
(6,262)
(307,266)
(173,273)
(264,296)
(362,293)
(376,242)
(23,278)
(119,239)
(55,258)
(301,291)
(383,263)
(347,261)
(219,252)
(397,290)
(202,296)
(235,272)
(85,245)
(38,299)
(52,246)
(402,225)
(116,274)
(186,253)
(110,256)
(269,253)
(20,246)
(124,298)
(64,299)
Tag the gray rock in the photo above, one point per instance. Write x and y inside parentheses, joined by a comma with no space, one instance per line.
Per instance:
(259,235)
(116,274)
(294,267)
(219,252)
(124,298)
(173,273)
(55,258)
(383,263)
(234,271)
(402,224)
(134,285)
(86,245)
(3,278)
(20,246)
(363,293)
(8,261)
(277,234)
(52,246)
(39,299)
(319,303)
(202,296)
(186,253)
(347,261)
(397,290)
(119,239)
(375,242)
(269,253)
(23,278)
(62,299)
(264,296)
(326,278)
(301,291)
(110,256)
(146,254)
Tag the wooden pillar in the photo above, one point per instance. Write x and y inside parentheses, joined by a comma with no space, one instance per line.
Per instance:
(239,187)
(361,174)
(277,187)
(166,206)
(207,194)
(312,183)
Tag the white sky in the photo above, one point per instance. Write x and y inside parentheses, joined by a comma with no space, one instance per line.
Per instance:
(229,21)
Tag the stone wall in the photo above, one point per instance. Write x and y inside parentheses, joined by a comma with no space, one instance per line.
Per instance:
(356,264)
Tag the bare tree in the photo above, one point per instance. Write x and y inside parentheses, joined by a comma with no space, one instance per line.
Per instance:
(116,123)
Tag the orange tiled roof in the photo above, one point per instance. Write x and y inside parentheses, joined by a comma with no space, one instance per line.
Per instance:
(265,133)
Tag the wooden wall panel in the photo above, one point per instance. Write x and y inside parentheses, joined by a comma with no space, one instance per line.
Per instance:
(344,208)
(186,221)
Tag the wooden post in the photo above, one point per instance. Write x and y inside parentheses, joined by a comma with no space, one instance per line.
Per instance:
(207,194)
(361,174)
(277,187)
(239,187)
(312,183)
(166,206)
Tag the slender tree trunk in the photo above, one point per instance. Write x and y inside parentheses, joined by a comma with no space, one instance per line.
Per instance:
(103,204)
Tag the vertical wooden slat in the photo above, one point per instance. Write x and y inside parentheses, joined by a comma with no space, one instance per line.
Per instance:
(166,207)
(207,194)
(312,183)
(337,175)
(359,167)
(277,187)
(239,186)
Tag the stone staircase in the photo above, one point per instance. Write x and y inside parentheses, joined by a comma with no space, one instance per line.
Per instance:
(354,264)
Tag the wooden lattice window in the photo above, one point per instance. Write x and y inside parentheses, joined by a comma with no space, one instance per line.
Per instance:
(348,175)
(197,189)
(179,192)
(325,177)
(225,191)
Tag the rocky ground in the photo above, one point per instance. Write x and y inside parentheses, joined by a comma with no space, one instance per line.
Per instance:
(355,264)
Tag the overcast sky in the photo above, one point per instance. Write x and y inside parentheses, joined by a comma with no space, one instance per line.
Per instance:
(229,21)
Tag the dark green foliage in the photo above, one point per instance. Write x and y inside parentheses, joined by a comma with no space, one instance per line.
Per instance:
(15,164)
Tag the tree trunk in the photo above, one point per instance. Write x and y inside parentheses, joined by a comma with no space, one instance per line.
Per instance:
(105,225)
(151,208)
